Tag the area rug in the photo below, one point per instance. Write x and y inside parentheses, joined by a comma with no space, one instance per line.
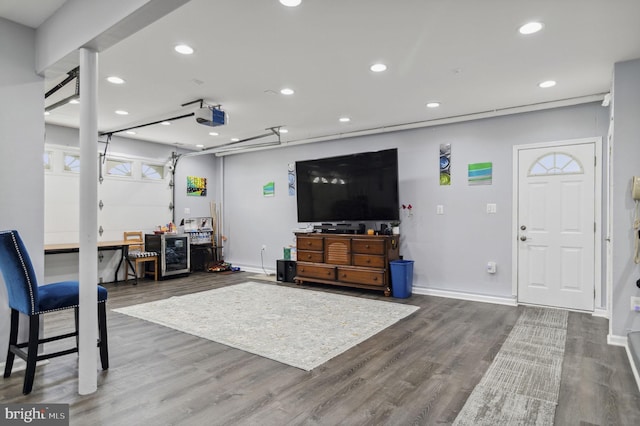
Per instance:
(522,384)
(299,327)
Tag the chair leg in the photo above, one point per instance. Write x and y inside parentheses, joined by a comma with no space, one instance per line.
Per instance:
(13,340)
(76,317)
(32,353)
(102,329)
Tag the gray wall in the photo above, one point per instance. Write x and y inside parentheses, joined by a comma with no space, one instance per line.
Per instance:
(451,250)
(21,147)
(205,166)
(626,163)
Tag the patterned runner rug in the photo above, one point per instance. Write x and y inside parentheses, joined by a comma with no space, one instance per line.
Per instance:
(298,327)
(521,386)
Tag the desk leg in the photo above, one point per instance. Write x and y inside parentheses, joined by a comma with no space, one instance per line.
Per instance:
(125,258)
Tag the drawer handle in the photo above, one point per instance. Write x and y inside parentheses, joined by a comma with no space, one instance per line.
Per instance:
(301,269)
(309,243)
(328,273)
(344,275)
(308,256)
(368,260)
(367,246)
(375,278)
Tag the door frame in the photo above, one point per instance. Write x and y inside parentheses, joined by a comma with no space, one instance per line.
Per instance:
(597,141)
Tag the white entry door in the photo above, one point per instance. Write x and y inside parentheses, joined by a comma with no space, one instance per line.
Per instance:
(556,226)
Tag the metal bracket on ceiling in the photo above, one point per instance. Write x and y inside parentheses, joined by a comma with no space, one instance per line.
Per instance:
(73,74)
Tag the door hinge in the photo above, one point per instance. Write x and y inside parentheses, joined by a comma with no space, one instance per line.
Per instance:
(595,161)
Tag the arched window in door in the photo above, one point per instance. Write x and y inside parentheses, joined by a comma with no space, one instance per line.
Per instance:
(556,163)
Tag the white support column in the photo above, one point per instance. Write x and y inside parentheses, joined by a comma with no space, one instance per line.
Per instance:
(88,258)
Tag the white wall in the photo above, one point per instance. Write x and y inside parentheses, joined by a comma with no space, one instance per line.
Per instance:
(626,163)
(450,251)
(21,147)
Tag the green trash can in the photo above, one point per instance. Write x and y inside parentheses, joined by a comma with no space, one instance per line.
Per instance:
(401,278)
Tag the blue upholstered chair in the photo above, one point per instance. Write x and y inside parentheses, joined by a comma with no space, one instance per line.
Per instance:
(25,296)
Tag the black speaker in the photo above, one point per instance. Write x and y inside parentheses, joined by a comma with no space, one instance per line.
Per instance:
(286,270)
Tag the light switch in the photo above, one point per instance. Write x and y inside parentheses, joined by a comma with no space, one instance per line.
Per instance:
(439,209)
(187,210)
(491,208)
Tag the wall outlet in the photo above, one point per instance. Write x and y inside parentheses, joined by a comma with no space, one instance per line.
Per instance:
(100,280)
(635,304)
(264,247)
(491,267)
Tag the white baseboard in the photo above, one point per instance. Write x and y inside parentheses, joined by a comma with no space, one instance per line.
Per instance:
(255,270)
(509,301)
(601,313)
(615,340)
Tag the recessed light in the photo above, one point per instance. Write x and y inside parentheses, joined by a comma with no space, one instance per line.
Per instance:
(345,119)
(546,84)
(122,112)
(74,101)
(433,104)
(284,131)
(131,132)
(378,67)
(235,140)
(530,28)
(166,123)
(291,3)
(287,91)
(115,80)
(213,134)
(199,145)
(184,49)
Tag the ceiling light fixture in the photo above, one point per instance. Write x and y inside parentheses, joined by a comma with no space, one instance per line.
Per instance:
(287,91)
(47,113)
(199,145)
(530,28)
(74,101)
(166,123)
(184,49)
(234,139)
(122,112)
(345,119)
(131,132)
(547,84)
(378,67)
(284,131)
(115,80)
(213,134)
(290,3)
(433,104)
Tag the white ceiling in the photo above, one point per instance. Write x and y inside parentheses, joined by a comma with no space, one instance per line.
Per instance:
(466,54)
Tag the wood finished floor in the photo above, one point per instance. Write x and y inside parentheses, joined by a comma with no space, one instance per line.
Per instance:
(419,371)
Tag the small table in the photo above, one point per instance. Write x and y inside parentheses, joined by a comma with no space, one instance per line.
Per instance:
(122,246)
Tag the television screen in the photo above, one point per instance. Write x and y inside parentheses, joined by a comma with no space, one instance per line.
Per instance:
(356,187)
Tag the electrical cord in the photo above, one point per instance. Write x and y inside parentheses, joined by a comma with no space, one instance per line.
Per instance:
(636,228)
(262,261)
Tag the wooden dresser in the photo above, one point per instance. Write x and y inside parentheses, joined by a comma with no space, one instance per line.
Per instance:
(352,260)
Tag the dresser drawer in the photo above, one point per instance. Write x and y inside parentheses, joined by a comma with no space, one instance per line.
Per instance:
(305,270)
(361,276)
(310,256)
(366,246)
(310,243)
(368,260)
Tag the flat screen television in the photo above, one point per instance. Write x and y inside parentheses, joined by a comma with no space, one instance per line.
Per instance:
(357,187)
